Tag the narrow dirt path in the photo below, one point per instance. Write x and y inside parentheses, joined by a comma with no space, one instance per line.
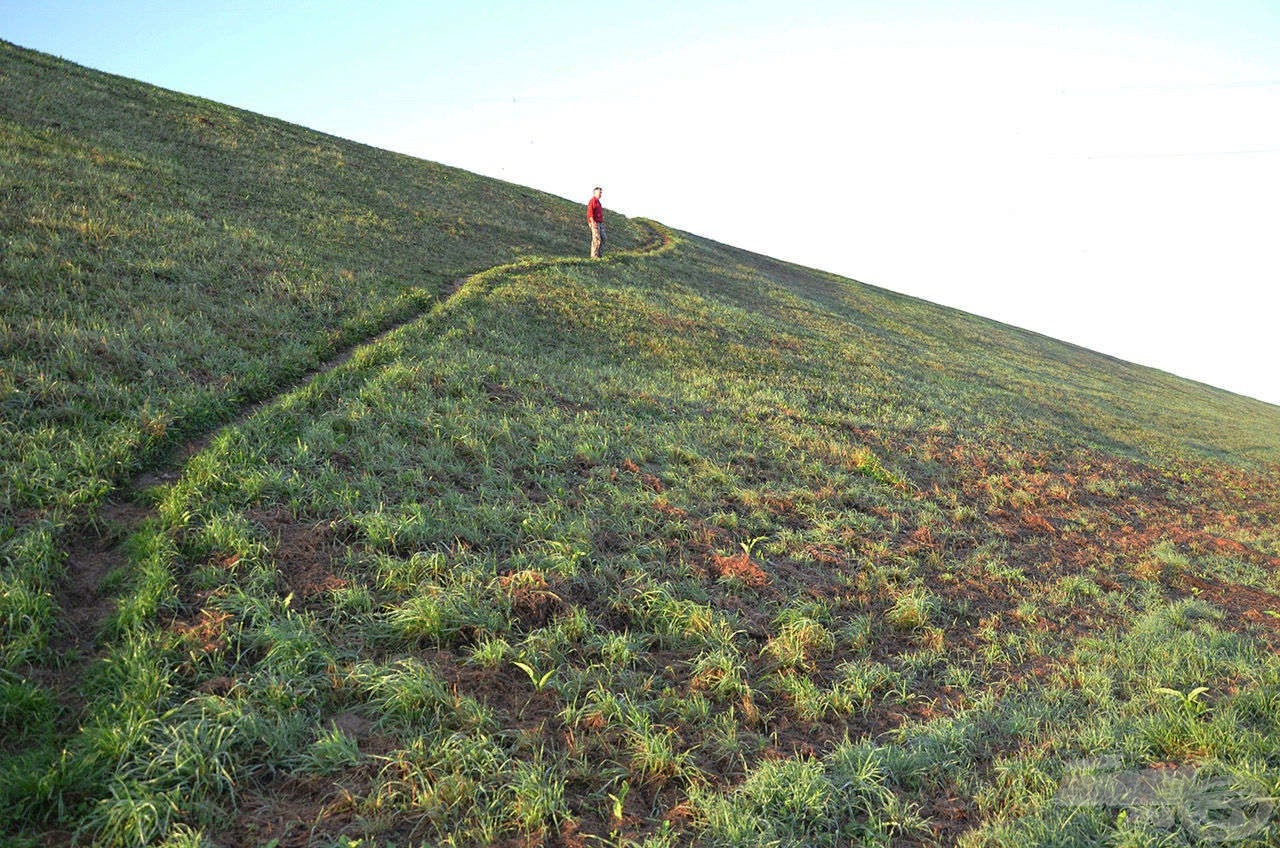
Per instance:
(99,547)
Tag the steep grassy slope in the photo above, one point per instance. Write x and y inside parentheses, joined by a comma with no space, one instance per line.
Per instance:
(686,547)
(949,368)
(166,258)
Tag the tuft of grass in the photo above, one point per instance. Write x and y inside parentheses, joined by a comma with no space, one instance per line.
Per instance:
(844,800)
(332,752)
(538,795)
(799,636)
(912,610)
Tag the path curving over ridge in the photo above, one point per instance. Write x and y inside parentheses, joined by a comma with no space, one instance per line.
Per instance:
(99,547)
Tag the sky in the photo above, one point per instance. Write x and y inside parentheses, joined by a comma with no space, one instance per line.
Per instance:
(1106,173)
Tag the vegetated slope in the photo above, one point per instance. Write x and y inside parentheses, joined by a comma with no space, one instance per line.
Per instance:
(969,370)
(166,258)
(686,548)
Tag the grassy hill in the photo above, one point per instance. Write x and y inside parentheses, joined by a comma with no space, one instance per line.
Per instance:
(685,546)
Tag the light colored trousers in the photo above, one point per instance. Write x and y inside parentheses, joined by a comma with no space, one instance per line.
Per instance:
(597,238)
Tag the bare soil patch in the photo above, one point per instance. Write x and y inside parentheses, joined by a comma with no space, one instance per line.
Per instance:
(305,554)
(93,552)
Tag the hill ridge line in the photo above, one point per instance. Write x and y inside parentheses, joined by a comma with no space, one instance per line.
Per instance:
(661,240)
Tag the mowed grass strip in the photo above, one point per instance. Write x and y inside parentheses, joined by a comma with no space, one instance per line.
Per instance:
(660,551)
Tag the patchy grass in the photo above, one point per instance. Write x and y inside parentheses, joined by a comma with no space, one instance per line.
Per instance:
(167,261)
(689,547)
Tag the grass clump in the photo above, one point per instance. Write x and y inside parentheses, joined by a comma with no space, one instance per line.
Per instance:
(911,610)
(846,799)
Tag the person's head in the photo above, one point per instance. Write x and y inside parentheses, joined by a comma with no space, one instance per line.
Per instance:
(597,191)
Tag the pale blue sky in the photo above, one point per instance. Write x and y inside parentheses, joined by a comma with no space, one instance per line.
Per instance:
(1104,172)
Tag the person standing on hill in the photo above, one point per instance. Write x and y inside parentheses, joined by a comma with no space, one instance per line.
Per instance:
(595,220)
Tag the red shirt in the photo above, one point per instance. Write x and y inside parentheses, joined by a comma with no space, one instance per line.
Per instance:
(595,212)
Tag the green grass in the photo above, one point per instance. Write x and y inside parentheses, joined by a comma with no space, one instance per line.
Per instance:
(682,547)
(168,260)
